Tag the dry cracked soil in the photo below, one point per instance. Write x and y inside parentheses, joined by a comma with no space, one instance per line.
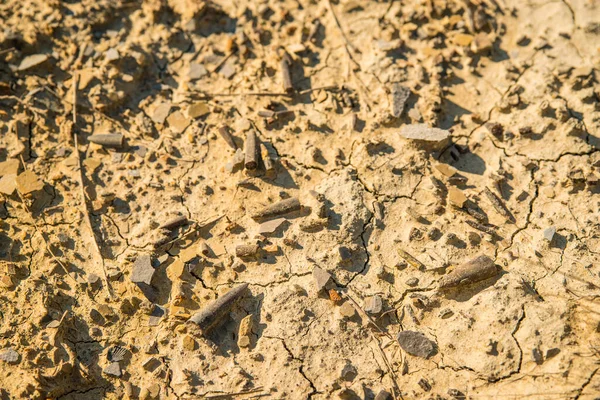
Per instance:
(299,199)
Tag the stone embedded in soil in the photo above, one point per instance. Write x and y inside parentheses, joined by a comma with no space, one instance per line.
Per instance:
(113,369)
(9,356)
(142,270)
(374,305)
(321,277)
(416,344)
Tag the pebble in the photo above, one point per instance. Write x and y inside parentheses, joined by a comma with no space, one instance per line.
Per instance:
(416,344)
(9,356)
(374,305)
(142,270)
(321,277)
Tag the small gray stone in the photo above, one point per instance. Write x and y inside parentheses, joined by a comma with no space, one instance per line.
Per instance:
(9,356)
(322,278)
(416,344)
(113,369)
(142,270)
(374,305)
(549,233)
(197,71)
(400,95)
(412,282)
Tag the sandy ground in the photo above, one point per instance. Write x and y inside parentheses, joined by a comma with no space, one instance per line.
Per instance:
(108,251)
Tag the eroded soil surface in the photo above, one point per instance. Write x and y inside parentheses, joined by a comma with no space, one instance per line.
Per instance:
(109,244)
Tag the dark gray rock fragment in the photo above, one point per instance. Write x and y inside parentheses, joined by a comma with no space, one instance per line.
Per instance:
(416,344)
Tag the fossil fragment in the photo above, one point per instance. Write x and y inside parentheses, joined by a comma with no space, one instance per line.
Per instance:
(279,208)
(224,132)
(251,151)
(487,228)
(246,250)
(411,260)
(475,270)
(174,222)
(107,139)
(211,315)
(498,205)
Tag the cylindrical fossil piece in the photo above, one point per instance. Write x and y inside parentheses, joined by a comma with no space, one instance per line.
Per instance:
(212,314)
(251,150)
(279,208)
(246,250)
(107,139)
(286,75)
(224,132)
(174,222)
(476,270)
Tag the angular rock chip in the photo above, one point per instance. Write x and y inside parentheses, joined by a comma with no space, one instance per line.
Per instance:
(28,182)
(113,369)
(400,95)
(197,71)
(9,356)
(197,110)
(271,226)
(322,278)
(549,233)
(8,184)
(374,305)
(142,270)
(32,61)
(456,197)
(161,112)
(416,344)
(9,167)
(178,122)
(425,134)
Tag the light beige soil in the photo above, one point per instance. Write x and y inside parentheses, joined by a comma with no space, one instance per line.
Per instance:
(515,82)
